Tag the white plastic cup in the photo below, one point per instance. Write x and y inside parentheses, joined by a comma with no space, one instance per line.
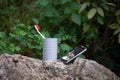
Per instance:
(50,49)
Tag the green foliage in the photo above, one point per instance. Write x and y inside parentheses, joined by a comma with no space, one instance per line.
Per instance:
(43,3)
(21,39)
(86,27)
(76,19)
(83,6)
(100,11)
(116,26)
(91,13)
(73,23)
(100,20)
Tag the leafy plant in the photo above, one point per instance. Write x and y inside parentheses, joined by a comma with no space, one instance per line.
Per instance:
(116,26)
(73,22)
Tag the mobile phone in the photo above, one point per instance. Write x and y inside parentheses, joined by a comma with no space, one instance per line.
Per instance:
(73,54)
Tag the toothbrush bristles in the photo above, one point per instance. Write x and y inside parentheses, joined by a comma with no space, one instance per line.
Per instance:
(37,28)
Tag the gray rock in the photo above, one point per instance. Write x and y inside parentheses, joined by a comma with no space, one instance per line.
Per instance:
(18,67)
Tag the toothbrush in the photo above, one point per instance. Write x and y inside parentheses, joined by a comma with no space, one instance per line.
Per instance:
(37,27)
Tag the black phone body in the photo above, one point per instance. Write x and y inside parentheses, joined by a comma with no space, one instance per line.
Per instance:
(73,54)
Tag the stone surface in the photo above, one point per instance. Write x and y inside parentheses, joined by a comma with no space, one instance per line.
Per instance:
(18,67)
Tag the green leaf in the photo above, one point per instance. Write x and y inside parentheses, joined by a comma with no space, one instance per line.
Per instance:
(74,6)
(118,13)
(17,48)
(93,33)
(46,33)
(2,35)
(114,26)
(106,7)
(76,19)
(85,27)
(83,6)
(100,20)
(65,47)
(11,47)
(119,37)
(12,35)
(100,11)
(64,1)
(35,20)
(91,13)
(67,10)
(116,31)
(118,19)
(21,32)
(111,4)
(3,44)
(49,11)
(84,16)
(44,2)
